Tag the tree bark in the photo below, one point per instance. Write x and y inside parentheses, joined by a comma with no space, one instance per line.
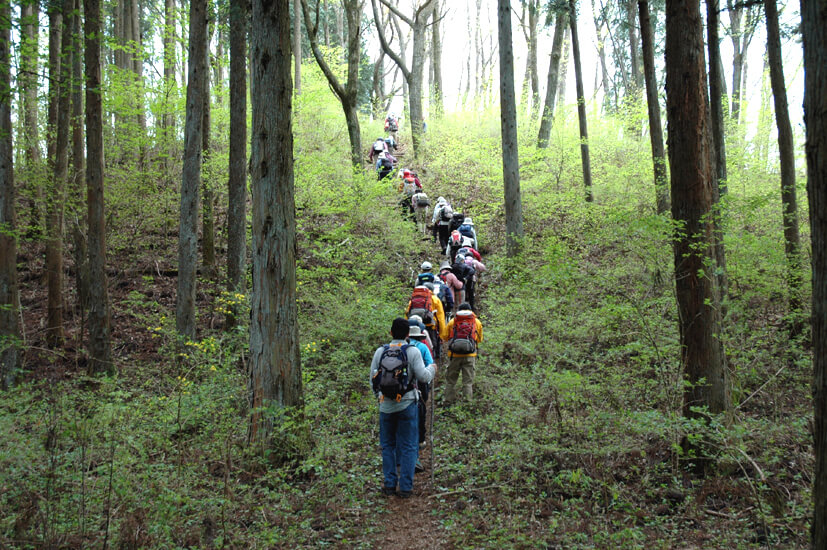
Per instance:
(207,213)
(740,32)
(275,366)
(581,105)
(348,93)
(168,118)
(564,68)
(237,183)
(27,78)
(636,76)
(100,339)
(653,104)
(297,43)
(692,175)
(80,249)
(716,77)
(608,104)
(551,84)
(191,176)
(437,101)
(508,125)
(55,23)
(814,33)
(789,202)
(10,356)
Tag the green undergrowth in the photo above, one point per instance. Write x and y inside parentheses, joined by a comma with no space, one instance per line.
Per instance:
(572,439)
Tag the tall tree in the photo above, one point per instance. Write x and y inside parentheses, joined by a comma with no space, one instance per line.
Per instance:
(237,183)
(418,23)
(275,366)
(716,96)
(560,26)
(508,125)
(564,67)
(653,104)
(814,33)
(789,202)
(743,20)
(100,338)
(636,79)
(191,176)
(27,80)
(581,103)
(692,176)
(531,81)
(297,42)
(207,212)
(10,357)
(77,219)
(437,101)
(168,39)
(348,93)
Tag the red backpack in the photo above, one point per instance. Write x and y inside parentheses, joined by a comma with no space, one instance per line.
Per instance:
(422,304)
(464,339)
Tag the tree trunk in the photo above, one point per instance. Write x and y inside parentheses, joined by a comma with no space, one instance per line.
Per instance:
(207,213)
(275,366)
(716,77)
(437,102)
(653,103)
(80,252)
(692,175)
(636,76)
(581,104)
(237,184)
(138,70)
(10,357)
(57,191)
(27,78)
(340,26)
(168,117)
(608,105)
(348,93)
(100,343)
(55,22)
(789,202)
(326,25)
(297,44)
(564,68)
(551,85)
(531,59)
(741,31)
(508,125)
(814,33)
(191,175)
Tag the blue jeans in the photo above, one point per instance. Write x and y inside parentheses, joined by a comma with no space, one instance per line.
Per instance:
(399,438)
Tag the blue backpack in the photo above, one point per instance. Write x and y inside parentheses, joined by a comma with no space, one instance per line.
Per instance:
(466,231)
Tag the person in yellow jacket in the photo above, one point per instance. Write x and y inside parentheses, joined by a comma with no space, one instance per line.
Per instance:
(436,328)
(463,333)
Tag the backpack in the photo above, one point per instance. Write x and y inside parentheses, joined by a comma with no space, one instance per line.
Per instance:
(390,124)
(391,143)
(422,200)
(463,340)
(463,272)
(445,294)
(391,378)
(456,220)
(409,186)
(385,162)
(446,213)
(379,145)
(466,231)
(422,305)
(423,278)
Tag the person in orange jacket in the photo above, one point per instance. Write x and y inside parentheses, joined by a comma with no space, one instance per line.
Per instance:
(463,334)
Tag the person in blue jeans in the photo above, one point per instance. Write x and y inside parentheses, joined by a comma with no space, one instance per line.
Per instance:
(399,418)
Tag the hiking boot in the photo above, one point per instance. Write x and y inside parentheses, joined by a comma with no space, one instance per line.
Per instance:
(405,494)
(388,491)
(419,467)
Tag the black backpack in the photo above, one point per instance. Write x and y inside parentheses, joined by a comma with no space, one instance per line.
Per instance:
(456,220)
(385,162)
(391,378)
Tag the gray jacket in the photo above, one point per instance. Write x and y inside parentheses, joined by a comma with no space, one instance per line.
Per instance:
(416,369)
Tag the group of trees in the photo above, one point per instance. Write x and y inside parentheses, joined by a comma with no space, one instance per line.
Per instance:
(695,109)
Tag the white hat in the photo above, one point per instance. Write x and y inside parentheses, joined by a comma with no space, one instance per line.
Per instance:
(467,221)
(416,318)
(415,331)
(426,266)
(440,199)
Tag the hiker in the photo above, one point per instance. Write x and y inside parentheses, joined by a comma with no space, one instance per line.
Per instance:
(420,202)
(467,230)
(407,188)
(440,220)
(456,220)
(394,372)
(445,295)
(416,338)
(378,146)
(425,276)
(464,273)
(417,320)
(405,176)
(384,164)
(429,308)
(391,125)
(455,242)
(464,333)
(391,143)
(478,267)
(452,282)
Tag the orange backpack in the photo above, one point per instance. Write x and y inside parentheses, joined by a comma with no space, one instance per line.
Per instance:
(422,304)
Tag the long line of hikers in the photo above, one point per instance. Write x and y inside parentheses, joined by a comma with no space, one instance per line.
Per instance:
(439,320)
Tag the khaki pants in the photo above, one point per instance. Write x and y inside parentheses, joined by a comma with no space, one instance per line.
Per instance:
(464,365)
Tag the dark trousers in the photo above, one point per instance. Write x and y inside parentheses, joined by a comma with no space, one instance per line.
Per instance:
(444,235)
(425,390)
(469,291)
